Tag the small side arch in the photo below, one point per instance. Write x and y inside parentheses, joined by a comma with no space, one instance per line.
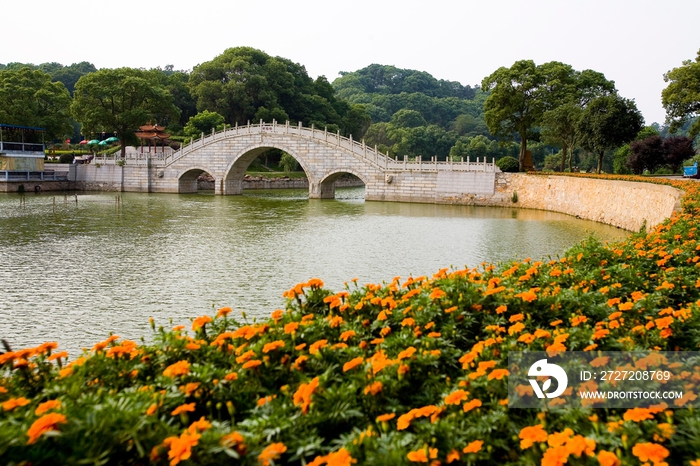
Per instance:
(187,181)
(326,187)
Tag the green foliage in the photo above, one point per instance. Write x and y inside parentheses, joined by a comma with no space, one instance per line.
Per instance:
(508,164)
(607,123)
(288,163)
(66,158)
(681,98)
(374,374)
(245,84)
(121,100)
(203,122)
(29,98)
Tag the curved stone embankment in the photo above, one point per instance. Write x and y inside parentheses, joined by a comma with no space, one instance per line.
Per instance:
(625,204)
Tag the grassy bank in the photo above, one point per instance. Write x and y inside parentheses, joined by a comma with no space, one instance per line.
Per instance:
(406,372)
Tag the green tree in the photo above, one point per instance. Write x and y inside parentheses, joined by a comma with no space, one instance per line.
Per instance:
(120,100)
(405,118)
(681,98)
(29,98)
(565,107)
(514,105)
(203,122)
(607,123)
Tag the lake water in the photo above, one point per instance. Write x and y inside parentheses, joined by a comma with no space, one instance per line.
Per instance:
(72,272)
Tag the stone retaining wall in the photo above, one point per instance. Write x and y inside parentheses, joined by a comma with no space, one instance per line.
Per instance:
(624,204)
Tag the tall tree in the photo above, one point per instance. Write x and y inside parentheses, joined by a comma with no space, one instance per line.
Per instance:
(681,98)
(514,105)
(677,149)
(608,122)
(121,100)
(29,98)
(565,107)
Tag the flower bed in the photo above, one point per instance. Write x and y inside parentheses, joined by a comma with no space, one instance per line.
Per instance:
(406,372)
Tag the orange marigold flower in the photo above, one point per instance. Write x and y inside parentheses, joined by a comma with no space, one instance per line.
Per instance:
(650,452)
(385,417)
(223,312)
(531,434)
(179,368)
(637,414)
(44,424)
(303,394)
(516,317)
(291,327)
(353,363)
(345,336)
(471,404)
(199,426)
(152,409)
(452,457)
(498,374)
(555,456)
(184,408)
(271,452)
(251,364)
(437,293)
(527,296)
(181,447)
(273,346)
(340,458)
(13,403)
(316,346)
(373,388)
(200,322)
(456,397)
(608,458)
(59,355)
(47,406)
(473,447)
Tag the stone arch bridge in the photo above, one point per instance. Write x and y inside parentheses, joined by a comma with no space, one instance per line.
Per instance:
(225,155)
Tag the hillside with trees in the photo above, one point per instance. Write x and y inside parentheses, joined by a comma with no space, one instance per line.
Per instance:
(564,119)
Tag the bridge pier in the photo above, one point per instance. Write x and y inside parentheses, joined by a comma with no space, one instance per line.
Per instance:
(321,190)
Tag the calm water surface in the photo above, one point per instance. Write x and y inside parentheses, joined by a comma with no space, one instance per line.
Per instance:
(73,272)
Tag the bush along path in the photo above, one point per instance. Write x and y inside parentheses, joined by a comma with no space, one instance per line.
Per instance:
(408,372)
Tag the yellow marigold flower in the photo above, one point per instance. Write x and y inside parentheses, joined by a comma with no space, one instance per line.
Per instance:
(179,368)
(184,408)
(44,424)
(473,447)
(47,406)
(13,403)
(271,452)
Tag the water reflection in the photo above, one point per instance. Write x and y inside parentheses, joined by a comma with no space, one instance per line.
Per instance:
(73,272)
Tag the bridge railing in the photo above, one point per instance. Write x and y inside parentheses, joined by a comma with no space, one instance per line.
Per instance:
(358,148)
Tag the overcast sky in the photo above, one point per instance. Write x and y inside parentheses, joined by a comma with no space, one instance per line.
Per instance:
(632,42)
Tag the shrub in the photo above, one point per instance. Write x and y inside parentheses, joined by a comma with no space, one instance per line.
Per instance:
(66,158)
(508,164)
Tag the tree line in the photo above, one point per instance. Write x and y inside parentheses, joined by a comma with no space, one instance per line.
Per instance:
(558,117)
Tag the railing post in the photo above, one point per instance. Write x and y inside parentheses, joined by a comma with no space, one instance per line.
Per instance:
(313,128)
(364,148)
(405,161)
(299,128)
(376,154)
(248,126)
(386,160)
(201,140)
(338,136)
(325,133)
